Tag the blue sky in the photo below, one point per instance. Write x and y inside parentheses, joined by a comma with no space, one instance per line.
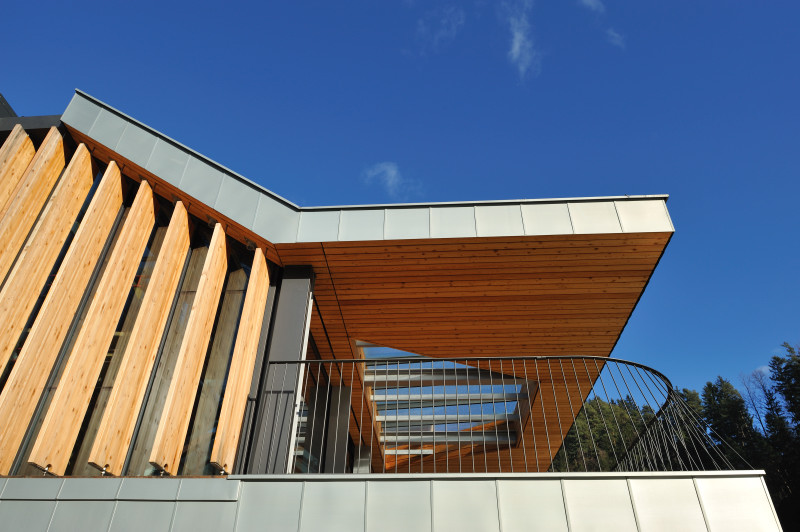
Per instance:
(373,102)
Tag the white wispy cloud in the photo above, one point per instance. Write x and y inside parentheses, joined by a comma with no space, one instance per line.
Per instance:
(615,38)
(387,174)
(440,27)
(521,52)
(595,5)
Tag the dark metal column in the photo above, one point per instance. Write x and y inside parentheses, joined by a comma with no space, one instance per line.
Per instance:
(338,425)
(273,432)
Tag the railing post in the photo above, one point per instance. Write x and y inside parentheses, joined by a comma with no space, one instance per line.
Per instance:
(274,430)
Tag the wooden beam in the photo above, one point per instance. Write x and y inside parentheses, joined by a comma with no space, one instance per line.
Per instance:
(29,275)
(15,156)
(174,424)
(63,421)
(240,373)
(28,198)
(119,419)
(201,432)
(29,375)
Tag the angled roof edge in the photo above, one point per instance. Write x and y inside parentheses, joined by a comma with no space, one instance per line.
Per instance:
(281,222)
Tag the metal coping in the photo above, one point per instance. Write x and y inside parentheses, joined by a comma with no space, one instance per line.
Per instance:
(281,221)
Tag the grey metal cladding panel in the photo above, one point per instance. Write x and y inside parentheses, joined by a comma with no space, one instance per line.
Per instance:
(643,216)
(81,515)
(136,144)
(452,222)
(237,201)
(318,226)
(202,181)
(107,129)
(399,506)
(149,489)
(364,224)
(666,504)
(333,506)
(80,114)
(460,506)
(101,489)
(204,516)
(596,502)
(407,223)
(498,220)
(276,503)
(208,489)
(546,219)
(167,162)
(734,504)
(531,505)
(30,516)
(2,485)
(135,516)
(594,217)
(32,488)
(275,221)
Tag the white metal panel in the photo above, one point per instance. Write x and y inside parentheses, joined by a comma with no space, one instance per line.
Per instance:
(531,505)
(201,181)
(546,219)
(643,216)
(736,504)
(667,504)
(167,162)
(594,217)
(275,221)
(237,201)
(107,128)
(465,506)
(80,113)
(136,144)
(452,222)
(399,506)
(498,220)
(599,505)
(407,223)
(276,503)
(318,226)
(364,224)
(333,507)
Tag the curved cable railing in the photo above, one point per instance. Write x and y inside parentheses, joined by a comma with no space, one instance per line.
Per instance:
(477,414)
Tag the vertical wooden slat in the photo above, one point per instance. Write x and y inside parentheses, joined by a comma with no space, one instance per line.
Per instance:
(29,375)
(28,198)
(15,156)
(62,423)
(240,373)
(117,426)
(201,431)
(174,422)
(29,275)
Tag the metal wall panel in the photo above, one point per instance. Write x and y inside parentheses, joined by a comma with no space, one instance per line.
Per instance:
(643,216)
(407,223)
(162,489)
(364,224)
(278,500)
(399,506)
(498,220)
(736,504)
(30,516)
(136,516)
(275,221)
(80,113)
(100,489)
(167,162)
(465,506)
(32,488)
(200,516)
(107,128)
(237,201)
(333,507)
(318,226)
(200,489)
(531,506)
(201,181)
(70,516)
(452,222)
(547,219)
(666,504)
(594,217)
(595,502)
(136,145)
